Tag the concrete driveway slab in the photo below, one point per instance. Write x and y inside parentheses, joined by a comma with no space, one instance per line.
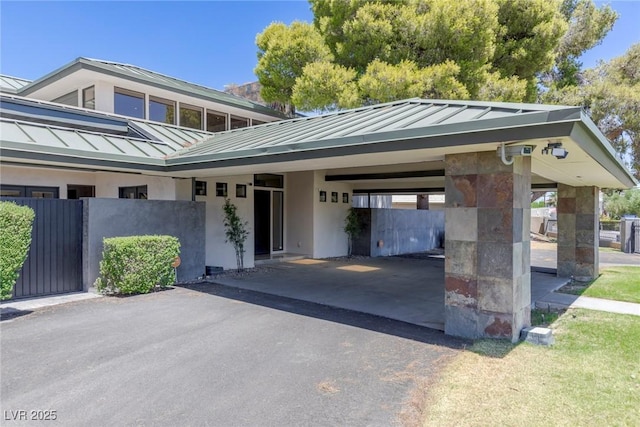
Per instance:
(212,355)
(405,289)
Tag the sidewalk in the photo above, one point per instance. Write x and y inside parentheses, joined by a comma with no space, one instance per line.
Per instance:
(559,300)
(30,304)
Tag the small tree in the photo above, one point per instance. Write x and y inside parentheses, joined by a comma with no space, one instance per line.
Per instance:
(235,231)
(353,227)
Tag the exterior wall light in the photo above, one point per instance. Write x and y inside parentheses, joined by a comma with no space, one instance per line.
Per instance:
(556,150)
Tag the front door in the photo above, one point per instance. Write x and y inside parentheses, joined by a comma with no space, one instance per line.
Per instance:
(262,221)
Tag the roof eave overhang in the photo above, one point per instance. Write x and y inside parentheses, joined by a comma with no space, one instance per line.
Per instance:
(81,63)
(458,134)
(593,142)
(16,152)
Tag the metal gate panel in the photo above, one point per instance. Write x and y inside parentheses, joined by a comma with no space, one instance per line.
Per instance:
(54,263)
(635,235)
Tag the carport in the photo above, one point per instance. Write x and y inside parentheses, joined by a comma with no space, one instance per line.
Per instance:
(405,288)
(485,157)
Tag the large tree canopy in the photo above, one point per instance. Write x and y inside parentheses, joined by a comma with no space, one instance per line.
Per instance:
(610,93)
(377,51)
(359,52)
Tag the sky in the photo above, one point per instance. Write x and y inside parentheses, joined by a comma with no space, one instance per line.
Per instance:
(211,43)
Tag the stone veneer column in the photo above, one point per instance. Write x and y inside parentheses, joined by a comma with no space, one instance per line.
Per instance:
(578,235)
(487,248)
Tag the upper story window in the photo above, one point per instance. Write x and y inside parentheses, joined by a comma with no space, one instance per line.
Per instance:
(238,122)
(190,116)
(255,122)
(216,122)
(162,110)
(128,103)
(89,97)
(70,98)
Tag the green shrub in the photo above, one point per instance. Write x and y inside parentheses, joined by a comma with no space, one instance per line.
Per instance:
(16,223)
(137,264)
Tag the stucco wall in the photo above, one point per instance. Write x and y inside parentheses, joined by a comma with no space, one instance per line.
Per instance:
(219,253)
(106,183)
(299,202)
(126,217)
(13,175)
(329,238)
(159,188)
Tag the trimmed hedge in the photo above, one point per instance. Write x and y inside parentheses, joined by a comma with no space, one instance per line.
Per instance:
(137,264)
(16,223)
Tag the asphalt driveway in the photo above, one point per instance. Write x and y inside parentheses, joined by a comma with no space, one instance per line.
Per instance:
(213,355)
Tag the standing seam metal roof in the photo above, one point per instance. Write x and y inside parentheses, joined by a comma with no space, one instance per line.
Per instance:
(12,84)
(173,136)
(48,138)
(398,117)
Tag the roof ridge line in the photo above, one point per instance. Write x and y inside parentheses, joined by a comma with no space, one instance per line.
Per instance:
(171,77)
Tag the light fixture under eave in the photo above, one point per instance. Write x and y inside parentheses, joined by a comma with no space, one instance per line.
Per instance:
(556,150)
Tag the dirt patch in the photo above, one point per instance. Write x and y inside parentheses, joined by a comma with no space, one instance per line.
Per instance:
(327,387)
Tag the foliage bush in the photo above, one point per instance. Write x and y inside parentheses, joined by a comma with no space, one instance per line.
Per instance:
(137,264)
(16,223)
(622,203)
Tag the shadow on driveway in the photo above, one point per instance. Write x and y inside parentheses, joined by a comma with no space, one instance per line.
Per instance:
(353,318)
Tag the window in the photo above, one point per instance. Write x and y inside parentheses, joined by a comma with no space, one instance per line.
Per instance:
(190,117)
(128,103)
(334,197)
(29,191)
(201,188)
(345,197)
(89,97)
(255,122)
(70,98)
(216,122)
(323,196)
(238,122)
(137,192)
(268,180)
(162,110)
(77,191)
(241,191)
(221,189)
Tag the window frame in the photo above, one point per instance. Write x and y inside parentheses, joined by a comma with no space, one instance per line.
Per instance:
(132,94)
(220,114)
(232,117)
(166,102)
(138,189)
(192,108)
(85,99)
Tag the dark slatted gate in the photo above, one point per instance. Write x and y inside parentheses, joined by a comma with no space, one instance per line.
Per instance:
(54,263)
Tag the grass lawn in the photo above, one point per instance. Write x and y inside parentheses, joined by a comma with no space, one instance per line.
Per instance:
(615,283)
(590,377)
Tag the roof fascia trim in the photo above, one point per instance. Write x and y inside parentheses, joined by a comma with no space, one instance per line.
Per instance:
(552,130)
(594,143)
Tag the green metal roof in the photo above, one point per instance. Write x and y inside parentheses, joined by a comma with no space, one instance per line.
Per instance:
(60,115)
(12,84)
(141,75)
(47,139)
(400,127)
(391,121)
